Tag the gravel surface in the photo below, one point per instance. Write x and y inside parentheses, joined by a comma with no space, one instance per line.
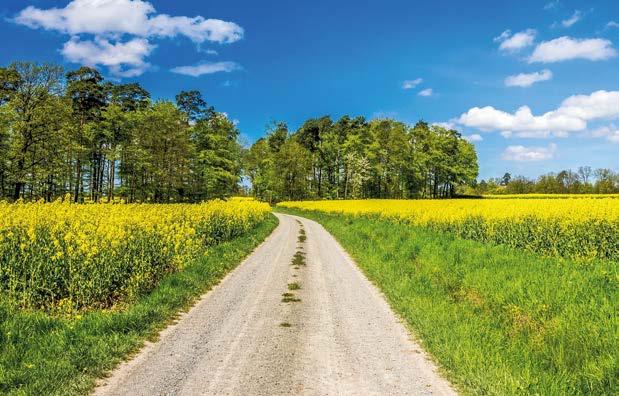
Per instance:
(341,338)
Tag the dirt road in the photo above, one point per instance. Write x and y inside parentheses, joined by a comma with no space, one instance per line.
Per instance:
(332,334)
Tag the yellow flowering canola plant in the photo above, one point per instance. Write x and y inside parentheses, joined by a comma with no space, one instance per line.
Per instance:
(584,228)
(63,256)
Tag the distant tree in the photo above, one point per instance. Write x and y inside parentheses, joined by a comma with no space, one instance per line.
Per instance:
(194,106)
(606,181)
(9,83)
(506,179)
(88,98)
(35,107)
(129,97)
(218,156)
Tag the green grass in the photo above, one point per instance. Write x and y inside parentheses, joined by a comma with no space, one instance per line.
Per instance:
(294,286)
(45,355)
(500,321)
(298,259)
(289,297)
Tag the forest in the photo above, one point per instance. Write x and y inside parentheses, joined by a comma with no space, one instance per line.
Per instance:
(75,133)
(354,158)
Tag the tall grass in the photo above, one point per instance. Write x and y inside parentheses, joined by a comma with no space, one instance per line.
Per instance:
(500,321)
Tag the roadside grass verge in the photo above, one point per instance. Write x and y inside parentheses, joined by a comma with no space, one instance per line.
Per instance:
(500,321)
(45,355)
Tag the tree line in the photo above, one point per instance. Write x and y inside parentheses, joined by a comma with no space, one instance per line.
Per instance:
(585,180)
(75,133)
(355,158)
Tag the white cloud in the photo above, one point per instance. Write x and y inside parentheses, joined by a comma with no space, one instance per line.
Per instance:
(426,92)
(612,24)
(134,17)
(91,16)
(529,154)
(211,52)
(410,84)
(599,105)
(197,29)
(108,21)
(610,132)
(451,124)
(576,16)
(552,4)
(206,68)
(567,48)
(572,116)
(517,41)
(475,137)
(528,79)
(123,59)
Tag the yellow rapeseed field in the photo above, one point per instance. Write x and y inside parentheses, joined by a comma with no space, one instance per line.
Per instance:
(551,196)
(583,228)
(65,256)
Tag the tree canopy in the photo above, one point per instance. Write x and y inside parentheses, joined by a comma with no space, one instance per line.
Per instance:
(356,158)
(78,134)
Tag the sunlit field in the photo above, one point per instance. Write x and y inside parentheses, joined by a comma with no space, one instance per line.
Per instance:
(510,296)
(66,257)
(583,228)
(550,196)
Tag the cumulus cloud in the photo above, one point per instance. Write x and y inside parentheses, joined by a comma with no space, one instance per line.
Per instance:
(528,79)
(529,154)
(517,41)
(572,116)
(567,48)
(426,92)
(123,59)
(475,137)
(134,17)
(410,84)
(206,68)
(609,132)
(576,16)
(612,24)
(109,22)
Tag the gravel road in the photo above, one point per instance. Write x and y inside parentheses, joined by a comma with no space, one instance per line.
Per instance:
(335,336)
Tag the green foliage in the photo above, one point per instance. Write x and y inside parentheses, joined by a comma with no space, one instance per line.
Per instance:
(584,181)
(76,133)
(499,321)
(354,158)
(42,354)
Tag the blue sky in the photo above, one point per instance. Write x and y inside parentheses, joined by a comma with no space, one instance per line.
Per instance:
(292,60)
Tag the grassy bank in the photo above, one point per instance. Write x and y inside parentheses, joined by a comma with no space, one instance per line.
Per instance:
(41,354)
(499,320)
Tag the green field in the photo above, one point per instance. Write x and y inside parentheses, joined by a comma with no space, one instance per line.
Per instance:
(498,320)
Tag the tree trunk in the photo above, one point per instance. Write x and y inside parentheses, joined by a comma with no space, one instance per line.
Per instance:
(78,179)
